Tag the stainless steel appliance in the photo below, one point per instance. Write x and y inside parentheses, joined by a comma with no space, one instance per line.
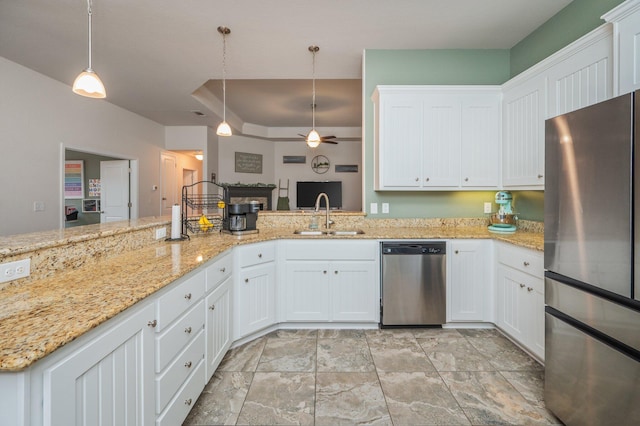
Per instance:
(242,218)
(592,264)
(413,283)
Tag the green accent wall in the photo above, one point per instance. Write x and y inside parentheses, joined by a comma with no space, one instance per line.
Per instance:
(575,20)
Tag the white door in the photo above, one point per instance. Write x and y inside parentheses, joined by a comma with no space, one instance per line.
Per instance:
(114,192)
(169,187)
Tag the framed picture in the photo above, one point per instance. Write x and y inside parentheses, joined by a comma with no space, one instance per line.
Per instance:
(74,179)
(91,205)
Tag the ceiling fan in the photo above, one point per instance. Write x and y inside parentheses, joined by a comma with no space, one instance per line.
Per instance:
(323,139)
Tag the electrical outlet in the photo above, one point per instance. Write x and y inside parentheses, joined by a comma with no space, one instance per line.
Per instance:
(161,233)
(13,270)
(487,207)
(385,208)
(374,208)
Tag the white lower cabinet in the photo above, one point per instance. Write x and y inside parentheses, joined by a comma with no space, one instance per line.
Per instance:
(321,285)
(218,325)
(254,288)
(470,281)
(108,380)
(520,296)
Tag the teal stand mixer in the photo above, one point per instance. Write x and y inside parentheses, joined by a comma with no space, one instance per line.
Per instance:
(504,220)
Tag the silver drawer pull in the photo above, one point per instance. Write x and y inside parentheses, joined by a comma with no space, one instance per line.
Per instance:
(466,179)
(417,179)
(539,176)
(456,252)
(187,330)
(188,401)
(529,289)
(427,179)
(153,323)
(522,286)
(526,263)
(223,269)
(335,272)
(324,272)
(246,280)
(260,255)
(212,307)
(187,364)
(187,296)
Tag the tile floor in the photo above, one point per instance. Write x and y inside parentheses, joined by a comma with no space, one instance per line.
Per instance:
(379,377)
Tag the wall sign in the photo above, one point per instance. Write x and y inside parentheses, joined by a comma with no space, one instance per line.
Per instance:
(320,164)
(346,168)
(294,159)
(248,163)
(74,179)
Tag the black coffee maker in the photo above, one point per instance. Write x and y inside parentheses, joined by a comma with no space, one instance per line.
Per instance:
(242,218)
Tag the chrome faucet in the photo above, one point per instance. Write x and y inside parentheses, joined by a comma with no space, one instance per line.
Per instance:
(326,199)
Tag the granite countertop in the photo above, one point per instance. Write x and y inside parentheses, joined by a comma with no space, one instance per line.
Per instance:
(39,317)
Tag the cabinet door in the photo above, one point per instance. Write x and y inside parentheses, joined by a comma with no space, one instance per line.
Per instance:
(399,141)
(582,79)
(354,291)
(480,154)
(536,306)
(307,294)
(523,134)
(442,135)
(511,291)
(254,299)
(629,53)
(469,278)
(218,325)
(107,381)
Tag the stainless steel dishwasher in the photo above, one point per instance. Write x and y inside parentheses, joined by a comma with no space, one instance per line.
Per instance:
(413,284)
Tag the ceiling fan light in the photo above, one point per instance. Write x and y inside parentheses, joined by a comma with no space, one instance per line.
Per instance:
(88,84)
(313,139)
(223,129)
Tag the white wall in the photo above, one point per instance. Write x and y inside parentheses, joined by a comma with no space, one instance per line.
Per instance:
(345,152)
(37,116)
(228,146)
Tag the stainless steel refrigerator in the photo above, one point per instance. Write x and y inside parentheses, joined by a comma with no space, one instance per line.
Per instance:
(592,264)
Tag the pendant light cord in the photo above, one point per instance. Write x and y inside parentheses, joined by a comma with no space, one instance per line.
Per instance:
(89,13)
(224,76)
(313,102)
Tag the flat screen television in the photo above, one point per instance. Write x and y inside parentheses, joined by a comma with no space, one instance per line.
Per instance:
(307,192)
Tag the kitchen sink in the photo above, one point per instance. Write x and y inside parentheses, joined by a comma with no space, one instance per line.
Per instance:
(328,232)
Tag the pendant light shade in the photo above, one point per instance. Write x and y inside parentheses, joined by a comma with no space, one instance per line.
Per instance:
(88,83)
(313,138)
(223,128)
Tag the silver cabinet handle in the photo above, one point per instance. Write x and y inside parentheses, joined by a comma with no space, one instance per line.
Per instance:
(427,179)
(324,272)
(153,323)
(212,307)
(188,401)
(187,364)
(540,176)
(223,269)
(526,263)
(529,289)
(246,280)
(417,179)
(187,296)
(456,252)
(466,179)
(335,272)
(187,330)
(260,255)
(522,286)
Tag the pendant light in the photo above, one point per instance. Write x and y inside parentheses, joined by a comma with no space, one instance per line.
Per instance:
(88,83)
(223,128)
(313,138)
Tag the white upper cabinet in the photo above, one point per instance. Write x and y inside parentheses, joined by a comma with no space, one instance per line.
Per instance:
(437,137)
(626,44)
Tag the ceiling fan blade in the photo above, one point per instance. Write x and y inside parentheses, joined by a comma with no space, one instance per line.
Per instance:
(327,137)
(333,142)
(301,135)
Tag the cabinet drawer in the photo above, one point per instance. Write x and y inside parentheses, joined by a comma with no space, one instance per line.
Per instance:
(528,261)
(172,304)
(179,334)
(218,271)
(181,404)
(331,250)
(256,254)
(175,374)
